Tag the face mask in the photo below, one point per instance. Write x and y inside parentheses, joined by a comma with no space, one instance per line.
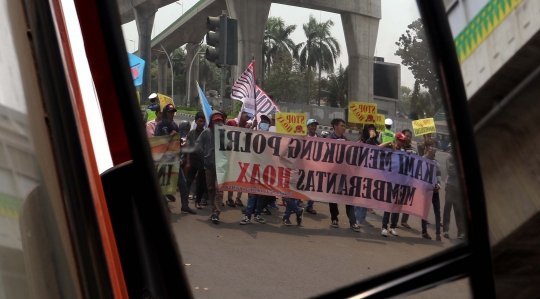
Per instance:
(264,126)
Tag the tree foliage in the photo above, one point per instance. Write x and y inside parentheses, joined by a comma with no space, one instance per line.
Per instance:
(413,48)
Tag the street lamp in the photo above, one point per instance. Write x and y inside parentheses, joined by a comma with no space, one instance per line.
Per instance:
(172,70)
(181,4)
(133,43)
(189,75)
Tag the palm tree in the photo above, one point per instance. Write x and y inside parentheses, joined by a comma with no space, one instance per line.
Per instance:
(277,41)
(320,50)
(337,87)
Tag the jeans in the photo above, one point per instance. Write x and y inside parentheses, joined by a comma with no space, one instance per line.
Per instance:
(183,187)
(309,204)
(291,207)
(404,218)
(334,212)
(215,196)
(360,213)
(201,181)
(453,199)
(393,219)
(437,210)
(257,202)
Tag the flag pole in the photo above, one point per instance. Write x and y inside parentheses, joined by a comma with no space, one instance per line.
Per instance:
(255,85)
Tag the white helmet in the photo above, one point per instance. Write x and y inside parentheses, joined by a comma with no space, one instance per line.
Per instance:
(388,122)
(152,96)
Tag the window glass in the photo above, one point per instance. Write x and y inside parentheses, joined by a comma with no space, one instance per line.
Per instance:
(309,76)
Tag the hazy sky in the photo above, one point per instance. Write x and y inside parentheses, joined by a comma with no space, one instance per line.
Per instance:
(396,15)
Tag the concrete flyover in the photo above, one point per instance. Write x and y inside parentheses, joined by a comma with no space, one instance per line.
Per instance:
(360,20)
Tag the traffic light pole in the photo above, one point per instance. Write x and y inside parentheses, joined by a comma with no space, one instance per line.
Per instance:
(223,71)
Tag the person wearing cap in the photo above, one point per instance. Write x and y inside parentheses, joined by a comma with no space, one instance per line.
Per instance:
(400,145)
(388,135)
(205,147)
(338,125)
(152,108)
(430,151)
(242,122)
(194,166)
(165,127)
(312,125)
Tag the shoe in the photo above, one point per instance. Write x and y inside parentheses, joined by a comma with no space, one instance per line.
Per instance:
(198,206)
(384,232)
(461,236)
(299,216)
(438,237)
(366,223)
(405,225)
(286,222)
(259,219)
(273,205)
(311,211)
(355,228)
(266,211)
(245,220)
(204,203)
(393,232)
(238,202)
(335,223)
(215,218)
(426,236)
(445,234)
(188,210)
(371,211)
(231,203)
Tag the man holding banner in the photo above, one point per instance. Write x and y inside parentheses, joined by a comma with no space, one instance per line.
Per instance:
(339,130)
(205,147)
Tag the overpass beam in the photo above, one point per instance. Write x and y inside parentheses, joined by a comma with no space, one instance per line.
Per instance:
(360,37)
(144,17)
(162,73)
(192,93)
(252,16)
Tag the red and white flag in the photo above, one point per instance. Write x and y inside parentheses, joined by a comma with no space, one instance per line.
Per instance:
(244,87)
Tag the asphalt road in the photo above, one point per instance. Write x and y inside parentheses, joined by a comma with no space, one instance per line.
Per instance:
(270,260)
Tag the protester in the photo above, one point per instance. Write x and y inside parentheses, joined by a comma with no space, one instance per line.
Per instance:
(292,207)
(205,148)
(421,145)
(453,199)
(154,106)
(312,125)
(151,125)
(338,125)
(430,151)
(241,122)
(411,151)
(272,123)
(165,127)
(388,135)
(194,166)
(257,203)
(369,136)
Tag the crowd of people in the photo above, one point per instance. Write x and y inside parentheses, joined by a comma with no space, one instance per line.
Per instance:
(199,171)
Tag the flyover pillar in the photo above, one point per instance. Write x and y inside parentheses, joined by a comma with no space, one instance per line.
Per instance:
(360,37)
(252,16)
(192,93)
(162,74)
(144,18)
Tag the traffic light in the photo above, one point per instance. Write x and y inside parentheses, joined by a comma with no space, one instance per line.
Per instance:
(222,40)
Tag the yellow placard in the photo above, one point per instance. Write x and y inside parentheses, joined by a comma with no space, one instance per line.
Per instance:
(291,123)
(423,126)
(360,112)
(164,100)
(379,123)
